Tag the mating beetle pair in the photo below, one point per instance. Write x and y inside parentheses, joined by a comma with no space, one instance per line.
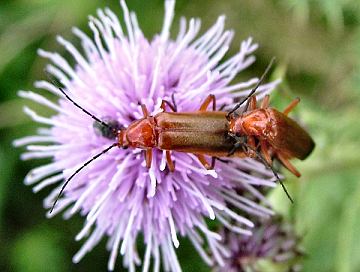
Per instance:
(262,132)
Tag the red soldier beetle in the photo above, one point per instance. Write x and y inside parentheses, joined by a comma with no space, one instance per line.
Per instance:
(202,133)
(277,135)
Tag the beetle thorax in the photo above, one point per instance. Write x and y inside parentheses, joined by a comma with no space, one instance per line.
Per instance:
(252,123)
(140,134)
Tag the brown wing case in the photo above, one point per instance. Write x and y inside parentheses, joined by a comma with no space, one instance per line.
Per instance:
(289,137)
(200,133)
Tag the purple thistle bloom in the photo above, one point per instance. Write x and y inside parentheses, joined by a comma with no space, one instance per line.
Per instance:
(119,196)
(273,240)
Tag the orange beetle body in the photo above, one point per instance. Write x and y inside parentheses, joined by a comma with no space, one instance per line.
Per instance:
(192,132)
(280,131)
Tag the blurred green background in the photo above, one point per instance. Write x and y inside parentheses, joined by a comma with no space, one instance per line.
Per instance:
(317,45)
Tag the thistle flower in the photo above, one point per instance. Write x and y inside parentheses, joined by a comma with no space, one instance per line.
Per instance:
(119,196)
(273,240)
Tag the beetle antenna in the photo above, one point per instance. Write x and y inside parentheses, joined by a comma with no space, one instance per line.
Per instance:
(254,89)
(241,143)
(78,170)
(76,104)
(258,154)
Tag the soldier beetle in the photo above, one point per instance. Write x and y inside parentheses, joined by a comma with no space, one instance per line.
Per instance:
(210,133)
(272,131)
(201,133)
(276,134)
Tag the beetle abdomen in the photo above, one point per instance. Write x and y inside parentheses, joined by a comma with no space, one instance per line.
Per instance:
(289,137)
(200,133)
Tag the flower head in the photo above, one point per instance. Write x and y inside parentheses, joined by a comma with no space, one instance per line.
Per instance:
(115,71)
(273,240)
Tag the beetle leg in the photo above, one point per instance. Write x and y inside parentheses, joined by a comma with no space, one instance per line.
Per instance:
(239,143)
(236,146)
(252,103)
(144,110)
(203,161)
(265,151)
(207,101)
(213,160)
(148,157)
(285,161)
(265,102)
(164,103)
(170,163)
(252,144)
(291,106)
(219,159)
(173,101)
